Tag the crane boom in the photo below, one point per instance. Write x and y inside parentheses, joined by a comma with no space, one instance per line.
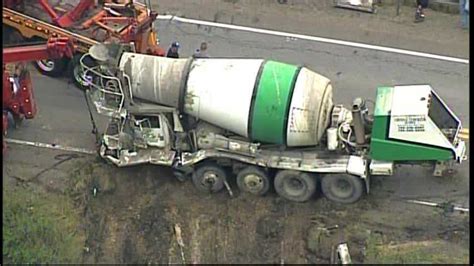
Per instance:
(55,48)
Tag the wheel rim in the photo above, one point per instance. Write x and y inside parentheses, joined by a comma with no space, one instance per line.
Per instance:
(253,183)
(77,75)
(209,179)
(46,65)
(342,188)
(294,186)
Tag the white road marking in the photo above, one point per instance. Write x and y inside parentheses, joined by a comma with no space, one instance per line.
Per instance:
(315,38)
(49,146)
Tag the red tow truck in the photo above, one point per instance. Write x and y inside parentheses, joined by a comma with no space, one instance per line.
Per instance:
(86,22)
(18,96)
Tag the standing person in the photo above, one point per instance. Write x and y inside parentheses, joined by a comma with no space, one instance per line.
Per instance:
(420,5)
(464,11)
(173,50)
(202,51)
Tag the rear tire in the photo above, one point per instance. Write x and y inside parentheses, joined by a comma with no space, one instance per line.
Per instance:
(209,178)
(295,186)
(52,68)
(253,180)
(343,188)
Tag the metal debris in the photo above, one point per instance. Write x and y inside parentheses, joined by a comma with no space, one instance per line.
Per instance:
(227,186)
(343,254)
(50,146)
(446,206)
(179,239)
(327,230)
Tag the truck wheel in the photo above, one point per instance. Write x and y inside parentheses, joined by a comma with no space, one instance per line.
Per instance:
(343,188)
(209,178)
(294,185)
(253,180)
(74,70)
(52,68)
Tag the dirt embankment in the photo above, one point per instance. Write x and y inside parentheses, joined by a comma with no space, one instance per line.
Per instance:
(130,215)
(134,216)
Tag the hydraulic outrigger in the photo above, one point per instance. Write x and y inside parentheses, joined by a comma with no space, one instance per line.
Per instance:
(18,96)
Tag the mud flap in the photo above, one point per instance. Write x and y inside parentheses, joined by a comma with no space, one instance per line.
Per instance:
(367,183)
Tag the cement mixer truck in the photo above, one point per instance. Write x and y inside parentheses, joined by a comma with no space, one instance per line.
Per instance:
(265,123)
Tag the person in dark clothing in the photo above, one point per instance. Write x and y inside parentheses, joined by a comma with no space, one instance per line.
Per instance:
(420,5)
(173,51)
(464,10)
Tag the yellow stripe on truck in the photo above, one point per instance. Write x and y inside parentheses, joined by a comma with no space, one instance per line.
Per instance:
(464,134)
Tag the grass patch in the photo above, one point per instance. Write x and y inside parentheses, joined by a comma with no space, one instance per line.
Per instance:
(422,252)
(40,228)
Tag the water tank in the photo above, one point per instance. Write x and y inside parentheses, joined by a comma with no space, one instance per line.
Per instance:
(265,101)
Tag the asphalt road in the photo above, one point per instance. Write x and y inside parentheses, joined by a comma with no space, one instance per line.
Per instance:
(63,118)
(354,72)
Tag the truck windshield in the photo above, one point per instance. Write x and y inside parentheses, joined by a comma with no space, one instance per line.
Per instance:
(443,118)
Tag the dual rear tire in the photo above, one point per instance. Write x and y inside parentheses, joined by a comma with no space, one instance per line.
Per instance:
(210,178)
(342,188)
(295,186)
(301,187)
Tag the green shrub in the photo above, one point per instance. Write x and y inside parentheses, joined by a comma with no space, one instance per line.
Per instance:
(39,229)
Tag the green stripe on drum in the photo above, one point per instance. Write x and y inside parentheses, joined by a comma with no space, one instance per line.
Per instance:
(270,108)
